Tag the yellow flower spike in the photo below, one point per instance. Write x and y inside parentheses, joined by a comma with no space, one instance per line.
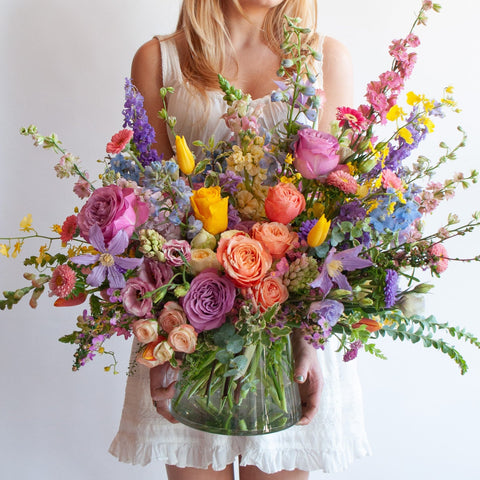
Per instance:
(57,229)
(362,191)
(428,123)
(16,248)
(26,223)
(449,89)
(428,105)
(395,113)
(185,159)
(406,135)
(413,98)
(319,232)
(4,250)
(41,254)
(289,159)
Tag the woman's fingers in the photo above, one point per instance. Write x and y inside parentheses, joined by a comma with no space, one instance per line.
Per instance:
(162,389)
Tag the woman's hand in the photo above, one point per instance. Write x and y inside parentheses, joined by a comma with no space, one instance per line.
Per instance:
(162,388)
(309,377)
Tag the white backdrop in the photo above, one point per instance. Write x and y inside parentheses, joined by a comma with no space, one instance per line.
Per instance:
(63,67)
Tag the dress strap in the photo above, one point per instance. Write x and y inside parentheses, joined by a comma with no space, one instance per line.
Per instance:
(171,71)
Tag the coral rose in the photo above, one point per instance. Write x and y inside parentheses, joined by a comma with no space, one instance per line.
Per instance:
(315,153)
(275,237)
(145,331)
(245,260)
(270,291)
(283,203)
(183,339)
(171,316)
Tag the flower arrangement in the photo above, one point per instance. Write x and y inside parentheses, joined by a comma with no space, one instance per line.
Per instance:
(210,259)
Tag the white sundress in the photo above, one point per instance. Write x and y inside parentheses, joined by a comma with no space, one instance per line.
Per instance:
(333,439)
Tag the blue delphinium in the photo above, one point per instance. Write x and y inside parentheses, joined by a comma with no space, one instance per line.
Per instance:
(391,288)
(126,167)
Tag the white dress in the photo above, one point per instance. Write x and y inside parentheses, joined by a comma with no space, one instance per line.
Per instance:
(334,438)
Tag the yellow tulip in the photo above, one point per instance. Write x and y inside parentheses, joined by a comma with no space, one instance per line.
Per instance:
(185,159)
(211,209)
(319,232)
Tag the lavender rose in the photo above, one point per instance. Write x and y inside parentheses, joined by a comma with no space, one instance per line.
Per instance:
(132,299)
(315,153)
(208,301)
(113,209)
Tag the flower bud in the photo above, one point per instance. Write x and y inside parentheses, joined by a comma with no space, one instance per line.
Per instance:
(319,232)
(185,159)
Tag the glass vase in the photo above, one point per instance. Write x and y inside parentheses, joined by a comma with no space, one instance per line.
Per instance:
(262,398)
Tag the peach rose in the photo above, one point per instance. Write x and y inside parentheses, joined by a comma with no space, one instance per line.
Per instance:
(163,352)
(171,316)
(270,291)
(183,339)
(147,356)
(283,203)
(203,258)
(245,260)
(145,331)
(276,238)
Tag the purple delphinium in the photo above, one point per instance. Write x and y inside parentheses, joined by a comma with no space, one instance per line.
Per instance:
(391,288)
(110,264)
(135,117)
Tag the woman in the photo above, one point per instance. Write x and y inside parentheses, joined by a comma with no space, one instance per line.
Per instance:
(240,39)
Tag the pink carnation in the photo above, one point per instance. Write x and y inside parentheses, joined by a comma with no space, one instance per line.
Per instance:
(343,181)
(62,282)
(390,180)
(439,257)
(119,140)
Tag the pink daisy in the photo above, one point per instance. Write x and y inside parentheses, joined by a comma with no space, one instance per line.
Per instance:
(390,180)
(439,257)
(69,228)
(352,118)
(62,282)
(119,140)
(343,181)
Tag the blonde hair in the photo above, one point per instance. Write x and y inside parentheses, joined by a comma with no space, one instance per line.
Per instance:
(203,24)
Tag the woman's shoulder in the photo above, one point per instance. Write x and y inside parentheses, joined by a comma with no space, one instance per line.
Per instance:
(334,49)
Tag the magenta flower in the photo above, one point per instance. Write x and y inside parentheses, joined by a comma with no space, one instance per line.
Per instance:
(336,263)
(110,264)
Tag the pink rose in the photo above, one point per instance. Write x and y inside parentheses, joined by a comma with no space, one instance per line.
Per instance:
(315,153)
(283,203)
(113,209)
(145,331)
(183,339)
(132,297)
(171,316)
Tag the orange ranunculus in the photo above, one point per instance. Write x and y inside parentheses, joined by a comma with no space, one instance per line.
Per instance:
(283,203)
(211,209)
(145,331)
(372,325)
(270,291)
(183,339)
(171,316)
(275,236)
(245,260)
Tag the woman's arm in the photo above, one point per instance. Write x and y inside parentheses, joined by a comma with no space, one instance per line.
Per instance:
(147,77)
(337,81)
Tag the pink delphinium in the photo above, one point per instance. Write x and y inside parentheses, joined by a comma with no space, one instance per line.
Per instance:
(119,141)
(62,282)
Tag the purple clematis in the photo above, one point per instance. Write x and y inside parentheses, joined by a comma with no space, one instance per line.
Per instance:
(333,266)
(110,264)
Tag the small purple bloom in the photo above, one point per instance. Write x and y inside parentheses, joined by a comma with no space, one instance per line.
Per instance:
(352,352)
(305,228)
(208,300)
(110,264)
(391,288)
(329,310)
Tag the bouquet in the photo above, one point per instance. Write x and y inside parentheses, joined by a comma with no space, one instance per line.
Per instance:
(212,262)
